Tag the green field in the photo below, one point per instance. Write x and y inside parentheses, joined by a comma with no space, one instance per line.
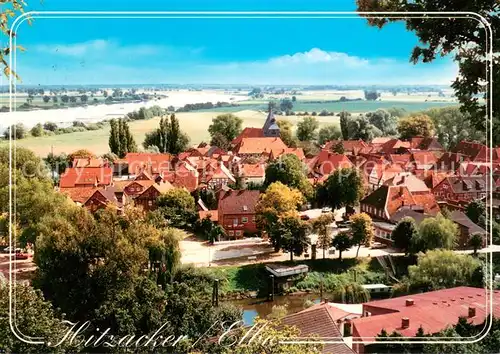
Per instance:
(351,106)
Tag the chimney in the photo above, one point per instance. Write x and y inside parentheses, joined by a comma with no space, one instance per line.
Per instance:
(472,311)
(405,322)
(410,302)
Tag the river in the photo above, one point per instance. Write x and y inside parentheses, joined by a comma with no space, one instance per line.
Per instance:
(262,308)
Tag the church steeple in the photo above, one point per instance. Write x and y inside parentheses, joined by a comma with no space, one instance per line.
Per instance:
(271,128)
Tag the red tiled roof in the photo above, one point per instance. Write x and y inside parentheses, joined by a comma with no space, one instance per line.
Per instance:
(328,162)
(349,145)
(238,202)
(380,140)
(259,145)
(408,180)
(319,323)
(450,161)
(433,311)
(248,133)
(423,159)
(400,159)
(476,151)
(213,214)
(78,194)
(153,163)
(252,170)
(394,144)
(299,152)
(87,176)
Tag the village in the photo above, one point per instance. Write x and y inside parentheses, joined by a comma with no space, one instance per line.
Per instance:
(220,194)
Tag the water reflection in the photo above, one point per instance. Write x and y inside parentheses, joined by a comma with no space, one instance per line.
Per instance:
(262,308)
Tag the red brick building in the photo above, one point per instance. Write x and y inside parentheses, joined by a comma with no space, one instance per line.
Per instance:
(147,199)
(236,212)
(433,311)
(461,188)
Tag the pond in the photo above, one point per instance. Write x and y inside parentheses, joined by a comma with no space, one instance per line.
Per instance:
(262,308)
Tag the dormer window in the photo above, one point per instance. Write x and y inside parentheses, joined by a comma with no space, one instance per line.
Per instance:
(245,208)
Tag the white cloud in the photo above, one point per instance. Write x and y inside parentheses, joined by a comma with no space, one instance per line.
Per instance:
(318,66)
(317,55)
(74,50)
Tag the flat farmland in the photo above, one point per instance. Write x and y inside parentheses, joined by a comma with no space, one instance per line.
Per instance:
(195,124)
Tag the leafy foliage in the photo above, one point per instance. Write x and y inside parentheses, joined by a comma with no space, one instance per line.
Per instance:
(438,269)
(383,120)
(307,129)
(121,140)
(321,226)
(361,230)
(178,207)
(465,39)
(329,132)
(342,188)
(286,133)
(342,242)
(417,125)
(404,234)
(168,137)
(278,201)
(290,171)
(228,125)
(436,232)
(359,127)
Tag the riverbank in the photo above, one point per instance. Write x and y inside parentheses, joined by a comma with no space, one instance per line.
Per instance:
(252,280)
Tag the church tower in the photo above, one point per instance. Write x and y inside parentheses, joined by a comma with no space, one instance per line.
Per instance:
(271,128)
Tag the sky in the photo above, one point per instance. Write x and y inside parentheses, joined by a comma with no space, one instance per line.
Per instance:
(286,50)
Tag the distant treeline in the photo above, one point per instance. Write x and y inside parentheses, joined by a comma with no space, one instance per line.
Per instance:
(207,105)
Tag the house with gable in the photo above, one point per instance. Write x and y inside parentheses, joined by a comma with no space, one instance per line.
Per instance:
(236,212)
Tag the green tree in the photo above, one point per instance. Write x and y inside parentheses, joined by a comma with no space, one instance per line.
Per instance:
(15,132)
(178,207)
(220,141)
(436,232)
(344,121)
(84,98)
(404,234)
(289,170)
(476,211)
(168,138)
(307,128)
(46,99)
(57,163)
(465,39)
(121,140)
(361,230)
(383,120)
(286,133)
(440,269)
(321,226)
(33,317)
(359,127)
(342,242)
(277,201)
(37,130)
(453,126)
(294,234)
(476,241)
(371,95)
(227,124)
(343,188)
(351,293)
(417,125)
(50,126)
(329,132)
(81,154)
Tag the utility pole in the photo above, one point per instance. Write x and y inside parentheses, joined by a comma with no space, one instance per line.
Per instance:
(52,154)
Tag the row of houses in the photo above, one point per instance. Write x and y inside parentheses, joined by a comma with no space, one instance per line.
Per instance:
(416,177)
(354,328)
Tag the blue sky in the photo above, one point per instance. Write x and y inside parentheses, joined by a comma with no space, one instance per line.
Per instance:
(224,50)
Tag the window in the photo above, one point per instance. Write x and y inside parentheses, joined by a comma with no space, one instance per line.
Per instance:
(231,233)
(244,220)
(238,233)
(253,219)
(150,202)
(235,222)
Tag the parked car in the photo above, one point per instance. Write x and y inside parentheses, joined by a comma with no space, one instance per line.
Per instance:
(326,210)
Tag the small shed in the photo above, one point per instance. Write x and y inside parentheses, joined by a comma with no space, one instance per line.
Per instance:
(285,275)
